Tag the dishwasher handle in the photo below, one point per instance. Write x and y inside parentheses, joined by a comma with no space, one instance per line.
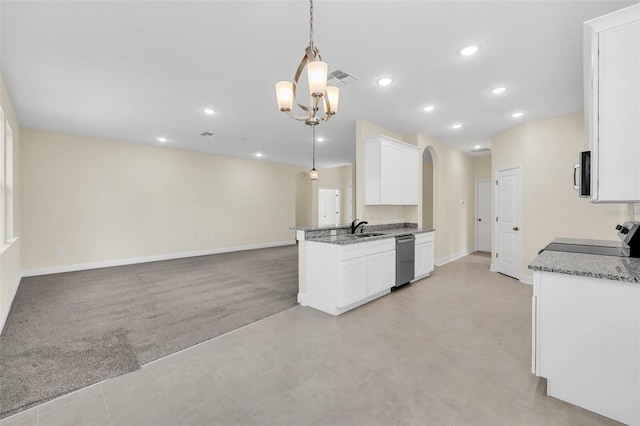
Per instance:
(405,238)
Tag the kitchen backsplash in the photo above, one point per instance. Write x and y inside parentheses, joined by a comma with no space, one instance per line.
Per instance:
(636,212)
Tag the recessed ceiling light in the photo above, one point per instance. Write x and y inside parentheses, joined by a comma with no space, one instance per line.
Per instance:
(258,154)
(209,111)
(516,115)
(477,147)
(384,81)
(162,139)
(499,90)
(428,108)
(320,139)
(456,126)
(469,50)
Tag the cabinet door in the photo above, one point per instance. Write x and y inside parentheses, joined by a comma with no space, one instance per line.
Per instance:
(429,257)
(410,177)
(390,174)
(381,271)
(420,268)
(424,259)
(616,149)
(353,281)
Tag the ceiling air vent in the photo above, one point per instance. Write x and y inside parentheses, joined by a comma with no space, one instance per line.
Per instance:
(209,134)
(480,151)
(340,77)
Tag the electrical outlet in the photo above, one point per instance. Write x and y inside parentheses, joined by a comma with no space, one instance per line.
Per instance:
(192,239)
(212,237)
(61,250)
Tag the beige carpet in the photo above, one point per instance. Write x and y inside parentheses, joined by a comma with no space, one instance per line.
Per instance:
(66,331)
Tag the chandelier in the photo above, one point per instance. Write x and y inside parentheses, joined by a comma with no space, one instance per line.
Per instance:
(318,89)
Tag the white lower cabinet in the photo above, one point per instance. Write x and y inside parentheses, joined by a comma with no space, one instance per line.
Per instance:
(343,277)
(381,271)
(586,342)
(424,263)
(353,274)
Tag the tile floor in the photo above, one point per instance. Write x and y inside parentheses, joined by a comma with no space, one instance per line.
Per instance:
(452,349)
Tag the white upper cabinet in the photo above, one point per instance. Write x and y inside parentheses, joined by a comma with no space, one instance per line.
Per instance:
(612,104)
(391,172)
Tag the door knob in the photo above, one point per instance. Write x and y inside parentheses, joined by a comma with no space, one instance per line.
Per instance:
(515,228)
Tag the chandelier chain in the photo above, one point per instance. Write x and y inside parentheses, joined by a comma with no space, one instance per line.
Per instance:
(313,146)
(311,24)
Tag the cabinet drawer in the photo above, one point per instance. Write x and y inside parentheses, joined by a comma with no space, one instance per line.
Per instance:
(351,251)
(424,237)
(379,246)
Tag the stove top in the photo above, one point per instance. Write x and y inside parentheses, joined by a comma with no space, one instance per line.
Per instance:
(586,249)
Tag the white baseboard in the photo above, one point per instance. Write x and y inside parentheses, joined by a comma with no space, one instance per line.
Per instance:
(492,267)
(302,299)
(145,259)
(5,314)
(454,256)
(526,279)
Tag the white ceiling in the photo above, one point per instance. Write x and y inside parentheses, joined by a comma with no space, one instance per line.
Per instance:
(134,71)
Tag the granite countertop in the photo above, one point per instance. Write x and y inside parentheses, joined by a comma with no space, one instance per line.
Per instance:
(588,265)
(344,239)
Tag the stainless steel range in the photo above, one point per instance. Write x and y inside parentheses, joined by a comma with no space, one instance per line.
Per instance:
(629,233)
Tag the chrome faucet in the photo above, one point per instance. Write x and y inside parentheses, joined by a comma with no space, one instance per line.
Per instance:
(355,226)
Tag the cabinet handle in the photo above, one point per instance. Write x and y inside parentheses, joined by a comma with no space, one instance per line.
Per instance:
(479,220)
(515,228)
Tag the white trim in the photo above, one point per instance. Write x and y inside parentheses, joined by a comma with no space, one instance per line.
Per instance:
(492,267)
(5,315)
(454,256)
(302,299)
(526,279)
(145,259)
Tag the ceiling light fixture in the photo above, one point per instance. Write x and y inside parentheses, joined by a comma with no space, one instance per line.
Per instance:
(456,126)
(499,90)
(209,111)
(320,139)
(162,139)
(258,154)
(477,147)
(428,108)
(516,114)
(469,50)
(384,81)
(317,74)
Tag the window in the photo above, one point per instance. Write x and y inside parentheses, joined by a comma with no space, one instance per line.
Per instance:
(8,184)
(6,181)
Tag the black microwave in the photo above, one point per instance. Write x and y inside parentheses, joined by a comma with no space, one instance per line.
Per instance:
(584,168)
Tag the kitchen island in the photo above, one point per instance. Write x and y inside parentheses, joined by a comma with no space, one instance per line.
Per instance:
(339,271)
(586,330)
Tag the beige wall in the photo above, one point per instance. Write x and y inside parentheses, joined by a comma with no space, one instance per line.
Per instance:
(105,200)
(482,167)
(377,214)
(454,197)
(547,151)
(10,265)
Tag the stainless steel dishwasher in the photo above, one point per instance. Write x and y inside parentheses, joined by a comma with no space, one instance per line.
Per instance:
(405,259)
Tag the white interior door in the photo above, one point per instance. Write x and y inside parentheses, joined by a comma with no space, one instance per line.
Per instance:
(509,221)
(483,215)
(328,207)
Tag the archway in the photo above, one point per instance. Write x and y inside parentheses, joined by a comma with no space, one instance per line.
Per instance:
(428,188)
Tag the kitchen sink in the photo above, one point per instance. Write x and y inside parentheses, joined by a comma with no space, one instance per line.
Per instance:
(364,235)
